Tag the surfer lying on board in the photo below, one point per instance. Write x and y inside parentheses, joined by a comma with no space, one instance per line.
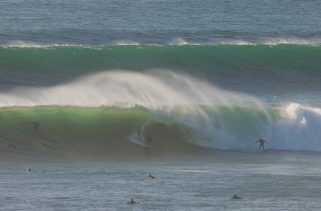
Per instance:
(262,142)
(236,197)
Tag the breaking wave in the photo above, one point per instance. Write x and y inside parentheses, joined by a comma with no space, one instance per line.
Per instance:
(97,114)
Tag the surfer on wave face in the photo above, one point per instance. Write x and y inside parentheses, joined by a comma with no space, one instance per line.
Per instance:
(262,142)
(140,139)
(147,139)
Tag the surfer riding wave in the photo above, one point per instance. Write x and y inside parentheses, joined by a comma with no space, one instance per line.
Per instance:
(139,138)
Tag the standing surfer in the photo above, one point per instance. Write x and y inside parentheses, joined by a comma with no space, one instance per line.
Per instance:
(147,140)
(261,142)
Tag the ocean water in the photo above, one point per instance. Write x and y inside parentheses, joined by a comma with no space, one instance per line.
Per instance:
(83,82)
(101,22)
(265,181)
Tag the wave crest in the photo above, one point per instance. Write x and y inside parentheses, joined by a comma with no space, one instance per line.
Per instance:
(151,89)
(206,116)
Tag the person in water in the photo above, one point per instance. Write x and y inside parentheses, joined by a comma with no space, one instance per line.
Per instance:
(236,197)
(150,176)
(261,142)
(147,139)
(28,168)
(131,201)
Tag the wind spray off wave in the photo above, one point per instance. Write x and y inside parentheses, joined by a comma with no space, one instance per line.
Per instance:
(165,102)
(128,88)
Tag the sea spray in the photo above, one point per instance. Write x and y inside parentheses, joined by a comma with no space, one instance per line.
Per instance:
(196,111)
(128,88)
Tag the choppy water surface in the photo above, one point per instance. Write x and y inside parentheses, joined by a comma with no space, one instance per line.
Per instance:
(266,181)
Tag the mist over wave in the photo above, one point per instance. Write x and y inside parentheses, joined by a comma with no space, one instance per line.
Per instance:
(194,111)
(126,87)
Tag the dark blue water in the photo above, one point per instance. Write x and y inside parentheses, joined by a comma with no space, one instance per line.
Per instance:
(101,22)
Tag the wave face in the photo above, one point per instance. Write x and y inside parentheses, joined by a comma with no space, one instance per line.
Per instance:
(106,131)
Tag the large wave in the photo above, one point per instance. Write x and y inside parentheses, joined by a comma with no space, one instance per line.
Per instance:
(97,113)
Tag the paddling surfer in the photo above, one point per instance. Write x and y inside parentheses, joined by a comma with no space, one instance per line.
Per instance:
(150,177)
(236,197)
(131,201)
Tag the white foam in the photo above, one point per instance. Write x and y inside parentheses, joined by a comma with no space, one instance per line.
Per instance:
(23,44)
(175,41)
(126,42)
(296,41)
(262,41)
(27,44)
(178,41)
(269,41)
(298,130)
(235,42)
